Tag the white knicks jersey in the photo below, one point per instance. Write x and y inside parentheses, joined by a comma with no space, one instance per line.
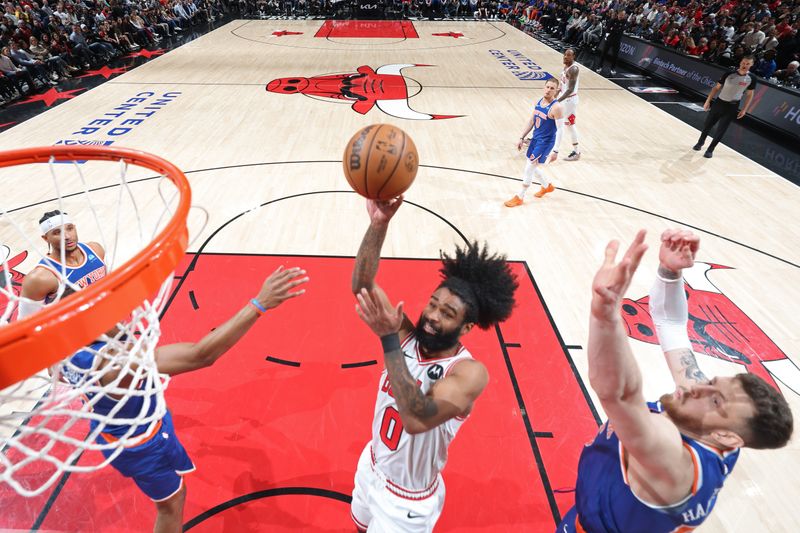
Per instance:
(565,81)
(412,462)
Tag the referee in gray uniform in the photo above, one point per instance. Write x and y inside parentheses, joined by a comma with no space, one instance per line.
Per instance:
(731,86)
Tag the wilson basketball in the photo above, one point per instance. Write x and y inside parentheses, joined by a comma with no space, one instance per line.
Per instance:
(380,161)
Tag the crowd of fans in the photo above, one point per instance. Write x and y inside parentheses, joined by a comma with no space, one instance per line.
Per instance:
(719,31)
(44,41)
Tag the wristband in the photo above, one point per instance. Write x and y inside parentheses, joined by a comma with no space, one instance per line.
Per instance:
(390,342)
(260,309)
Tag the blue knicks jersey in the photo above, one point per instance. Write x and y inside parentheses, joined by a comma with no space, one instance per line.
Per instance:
(76,373)
(92,269)
(606,504)
(544,126)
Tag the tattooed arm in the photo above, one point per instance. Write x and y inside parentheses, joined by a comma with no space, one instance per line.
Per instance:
(684,368)
(572,77)
(450,397)
(369,253)
(669,308)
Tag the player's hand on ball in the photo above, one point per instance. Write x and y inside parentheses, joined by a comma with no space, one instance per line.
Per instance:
(678,249)
(278,286)
(383,210)
(382,320)
(612,280)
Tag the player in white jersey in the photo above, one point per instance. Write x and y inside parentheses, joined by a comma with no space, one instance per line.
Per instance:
(430,382)
(568,97)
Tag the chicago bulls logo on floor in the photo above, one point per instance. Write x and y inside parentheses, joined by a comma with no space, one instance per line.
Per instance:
(719,328)
(366,88)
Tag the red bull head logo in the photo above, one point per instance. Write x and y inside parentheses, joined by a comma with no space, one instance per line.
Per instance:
(10,279)
(384,88)
(717,327)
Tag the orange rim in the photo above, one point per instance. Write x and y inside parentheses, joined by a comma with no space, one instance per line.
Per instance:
(38,341)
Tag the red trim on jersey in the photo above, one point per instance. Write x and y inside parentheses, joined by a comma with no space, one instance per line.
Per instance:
(398,490)
(419,498)
(424,362)
(406,339)
(449,368)
(358,524)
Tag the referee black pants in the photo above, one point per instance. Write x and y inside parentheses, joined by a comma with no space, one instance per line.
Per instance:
(721,112)
(611,45)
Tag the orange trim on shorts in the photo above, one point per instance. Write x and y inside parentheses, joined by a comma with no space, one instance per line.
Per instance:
(111,438)
(578,526)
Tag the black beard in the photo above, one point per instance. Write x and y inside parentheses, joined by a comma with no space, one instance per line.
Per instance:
(435,342)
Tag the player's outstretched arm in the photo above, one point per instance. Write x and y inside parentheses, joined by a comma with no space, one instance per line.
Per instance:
(369,253)
(452,396)
(653,442)
(186,356)
(669,308)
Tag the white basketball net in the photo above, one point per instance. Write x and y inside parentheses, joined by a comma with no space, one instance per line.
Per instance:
(59,420)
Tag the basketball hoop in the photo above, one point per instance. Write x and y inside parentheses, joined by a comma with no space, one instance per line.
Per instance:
(46,425)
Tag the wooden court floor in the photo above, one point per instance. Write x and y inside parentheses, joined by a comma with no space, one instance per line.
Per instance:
(463,91)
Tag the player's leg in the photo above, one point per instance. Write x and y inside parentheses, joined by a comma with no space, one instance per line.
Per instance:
(712,118)
(538,152)
(728,114)
(157,467)
(570,106)
(364,479)
(527,178)
(169,517)
(542,154)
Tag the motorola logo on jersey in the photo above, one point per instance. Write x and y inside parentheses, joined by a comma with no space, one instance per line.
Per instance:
(718,328)
(435,372)
(385,88)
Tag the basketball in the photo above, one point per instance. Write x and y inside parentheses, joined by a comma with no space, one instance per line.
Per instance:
(380,161)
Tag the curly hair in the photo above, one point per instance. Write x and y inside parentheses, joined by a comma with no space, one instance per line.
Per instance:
(772,424)
(484,282)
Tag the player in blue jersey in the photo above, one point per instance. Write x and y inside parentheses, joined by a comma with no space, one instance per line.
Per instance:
(657,468)
(83,263)
(158,461)
(546,124)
